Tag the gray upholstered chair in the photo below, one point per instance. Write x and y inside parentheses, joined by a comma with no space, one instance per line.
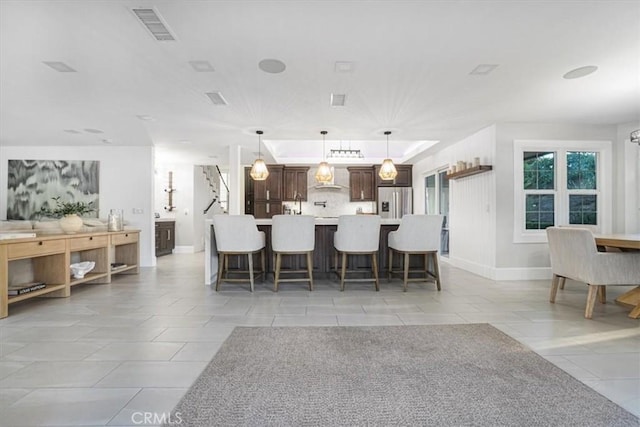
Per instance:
(292,235)
(574,256)
(357,235)
(417,234)
(237,235)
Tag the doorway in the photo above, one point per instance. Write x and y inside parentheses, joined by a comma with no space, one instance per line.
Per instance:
(436,199)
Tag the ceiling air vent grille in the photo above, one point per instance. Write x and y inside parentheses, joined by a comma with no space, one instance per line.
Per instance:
(154,24)
(217,98)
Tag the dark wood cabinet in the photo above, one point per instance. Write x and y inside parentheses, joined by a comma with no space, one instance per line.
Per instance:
(263,199)
(271,188)
(295,183)
(165,237)
(361,184)
(264,209)
(403,179)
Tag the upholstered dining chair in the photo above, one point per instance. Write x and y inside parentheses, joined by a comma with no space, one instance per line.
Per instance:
(357,235)
(237,235)
(417,234)
(574,256)
(292,235)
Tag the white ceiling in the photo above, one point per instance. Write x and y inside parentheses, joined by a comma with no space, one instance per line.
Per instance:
(411,64)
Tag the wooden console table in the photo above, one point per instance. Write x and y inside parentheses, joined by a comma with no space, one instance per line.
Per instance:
(48,258)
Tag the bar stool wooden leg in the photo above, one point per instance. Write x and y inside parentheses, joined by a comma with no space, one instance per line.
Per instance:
(251,270)
(276,274)
(562,279)
(406,270)
(220,271)
(436,269)
(310,269)
(374,262)
(343,270)
(390,264)
(263,265)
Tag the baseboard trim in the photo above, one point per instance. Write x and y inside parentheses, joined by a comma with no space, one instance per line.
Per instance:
(183,250)
(501,274)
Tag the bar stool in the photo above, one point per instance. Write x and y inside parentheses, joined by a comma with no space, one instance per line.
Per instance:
(292,235)
(417,234)
(357,235)
(237,235)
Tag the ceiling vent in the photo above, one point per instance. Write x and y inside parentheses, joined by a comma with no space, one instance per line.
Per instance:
(217,98)
(337,100)
(152,21)
(483,69)
(60,67)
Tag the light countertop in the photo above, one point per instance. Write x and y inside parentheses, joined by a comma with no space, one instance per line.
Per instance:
(321,221)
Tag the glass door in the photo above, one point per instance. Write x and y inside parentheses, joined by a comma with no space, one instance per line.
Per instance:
(436,199)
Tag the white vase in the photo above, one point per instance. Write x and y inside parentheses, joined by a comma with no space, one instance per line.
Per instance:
(70,224)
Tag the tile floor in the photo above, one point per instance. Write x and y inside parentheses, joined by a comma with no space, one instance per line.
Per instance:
(115,354)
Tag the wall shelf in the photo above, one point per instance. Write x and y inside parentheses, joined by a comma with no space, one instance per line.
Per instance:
(471,171)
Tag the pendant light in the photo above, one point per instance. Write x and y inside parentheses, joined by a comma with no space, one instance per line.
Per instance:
(259,171)
(323,174)
(388,169)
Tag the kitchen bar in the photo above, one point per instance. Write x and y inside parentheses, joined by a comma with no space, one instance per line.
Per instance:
(323,254)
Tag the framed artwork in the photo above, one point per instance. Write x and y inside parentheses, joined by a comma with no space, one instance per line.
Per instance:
(33,183)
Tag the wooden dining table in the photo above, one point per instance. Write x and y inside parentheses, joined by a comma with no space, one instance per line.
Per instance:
(625,242)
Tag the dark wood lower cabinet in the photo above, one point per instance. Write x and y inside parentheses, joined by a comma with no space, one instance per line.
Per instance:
(165,237)
(324,255)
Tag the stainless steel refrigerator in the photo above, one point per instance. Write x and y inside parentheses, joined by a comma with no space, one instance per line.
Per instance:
(394,202)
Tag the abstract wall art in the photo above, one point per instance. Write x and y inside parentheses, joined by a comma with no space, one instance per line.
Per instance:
(33,183)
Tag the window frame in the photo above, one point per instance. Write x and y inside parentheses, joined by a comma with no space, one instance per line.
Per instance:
(561,192)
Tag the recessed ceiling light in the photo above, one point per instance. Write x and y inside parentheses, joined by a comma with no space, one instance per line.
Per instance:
(580,72)
(217,98)
(273,66)
(202,66)
(145,118)
(483,69)
(343,67)
(338,100)
(72,131)
(59,66)
(93,131)
(152,22)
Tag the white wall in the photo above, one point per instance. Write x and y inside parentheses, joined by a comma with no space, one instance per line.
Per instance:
(628,181)
(472,201)
(126,182)
(531,256)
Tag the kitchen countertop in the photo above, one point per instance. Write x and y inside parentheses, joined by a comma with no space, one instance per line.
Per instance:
(321,221)
(165,220)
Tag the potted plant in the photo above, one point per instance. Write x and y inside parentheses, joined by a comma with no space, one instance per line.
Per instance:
(68,212)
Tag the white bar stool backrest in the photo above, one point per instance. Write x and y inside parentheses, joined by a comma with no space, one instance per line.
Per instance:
(237,233)
(417,233)
(357,233)
(293,233)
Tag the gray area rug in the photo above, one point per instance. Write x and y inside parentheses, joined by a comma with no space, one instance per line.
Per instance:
(441,375)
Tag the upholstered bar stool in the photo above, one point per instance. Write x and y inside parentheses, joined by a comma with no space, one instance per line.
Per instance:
(237,235)
(357,235)
(293,235)
(417,234)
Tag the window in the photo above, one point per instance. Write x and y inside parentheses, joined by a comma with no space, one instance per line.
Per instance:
(560,183)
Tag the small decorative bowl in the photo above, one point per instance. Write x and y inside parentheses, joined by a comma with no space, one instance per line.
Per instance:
(78,270)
